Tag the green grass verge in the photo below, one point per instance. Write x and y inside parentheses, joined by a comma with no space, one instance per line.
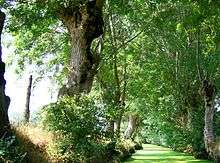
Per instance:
(152,153)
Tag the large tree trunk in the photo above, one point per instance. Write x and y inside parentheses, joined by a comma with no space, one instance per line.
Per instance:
(209,92)
(4,100)
(28,97)
(84,24)
(132,124)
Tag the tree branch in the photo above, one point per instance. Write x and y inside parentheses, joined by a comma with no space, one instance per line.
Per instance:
(127,42)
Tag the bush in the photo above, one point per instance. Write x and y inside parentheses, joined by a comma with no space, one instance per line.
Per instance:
(75,118)
(79,128)
(126,148)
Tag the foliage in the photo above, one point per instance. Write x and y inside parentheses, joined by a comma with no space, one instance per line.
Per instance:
(126,148)
(10,151)
(84,112)
(79,126)
(156,55)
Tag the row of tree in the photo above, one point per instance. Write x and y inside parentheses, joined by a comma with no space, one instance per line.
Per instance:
(155,63)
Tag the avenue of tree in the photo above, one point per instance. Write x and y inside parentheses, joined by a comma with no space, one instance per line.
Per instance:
(149,70)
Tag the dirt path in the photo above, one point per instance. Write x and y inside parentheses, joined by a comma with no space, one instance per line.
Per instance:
(152,153)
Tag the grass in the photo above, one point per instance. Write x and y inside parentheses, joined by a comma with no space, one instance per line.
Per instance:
(153,154)
(33,141)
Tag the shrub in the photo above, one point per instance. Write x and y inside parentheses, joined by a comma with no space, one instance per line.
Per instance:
(75,118)
(79,128)
(126,148)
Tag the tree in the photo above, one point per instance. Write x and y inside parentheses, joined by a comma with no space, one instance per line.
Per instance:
(156,59)
(209,93)
(4,100)
(84,25)
(27,105)
(132,125)
(81,20)
(113,76)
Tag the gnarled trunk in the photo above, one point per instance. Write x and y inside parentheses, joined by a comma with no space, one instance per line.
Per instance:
(132,124)
(4,100)
(209,92)
(84,24)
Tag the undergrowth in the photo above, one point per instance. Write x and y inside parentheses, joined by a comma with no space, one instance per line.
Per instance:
(70,130)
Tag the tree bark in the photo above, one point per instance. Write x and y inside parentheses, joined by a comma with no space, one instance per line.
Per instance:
(117,126)
(132,124)
(110,128)
(28,97)
(209,92)
(4,100)
(84,24)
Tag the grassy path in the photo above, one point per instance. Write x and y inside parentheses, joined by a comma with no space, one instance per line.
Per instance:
(152,153)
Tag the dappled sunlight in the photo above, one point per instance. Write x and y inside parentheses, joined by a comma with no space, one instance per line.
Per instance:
(34,141)
(151,147)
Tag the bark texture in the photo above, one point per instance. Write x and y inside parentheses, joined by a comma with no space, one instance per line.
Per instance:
(84,24)
(4,100)
(209,92)
(132,124)
(110,128)
(28,97)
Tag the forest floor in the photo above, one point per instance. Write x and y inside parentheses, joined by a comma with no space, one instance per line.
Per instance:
(153,153)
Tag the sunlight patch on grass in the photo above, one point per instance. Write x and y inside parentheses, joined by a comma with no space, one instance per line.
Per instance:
(152,153)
